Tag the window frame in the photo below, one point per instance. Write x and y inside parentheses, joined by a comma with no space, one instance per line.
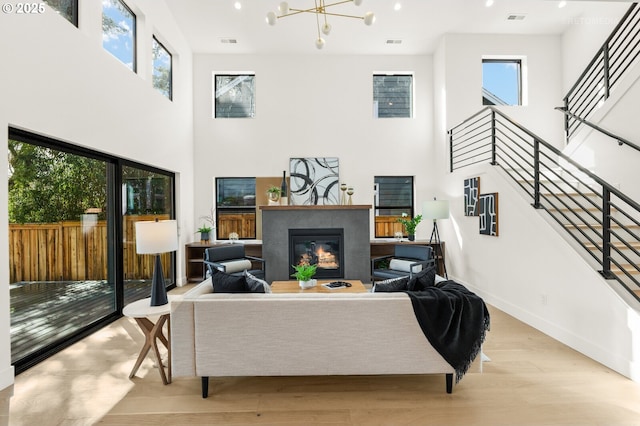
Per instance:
(215,93)
(410,102)
(116,232)
(409,209)
(134,36)
(154,40)
(521,78)
(74,11)
(219,208)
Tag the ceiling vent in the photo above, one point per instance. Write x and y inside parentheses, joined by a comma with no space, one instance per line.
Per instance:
(228,41)
(394,41)
(515,17)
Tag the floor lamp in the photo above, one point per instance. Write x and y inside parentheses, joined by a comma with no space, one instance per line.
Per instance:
(436,209)
(157,237)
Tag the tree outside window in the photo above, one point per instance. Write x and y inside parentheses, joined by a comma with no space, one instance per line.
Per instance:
(162,67)
(119,32)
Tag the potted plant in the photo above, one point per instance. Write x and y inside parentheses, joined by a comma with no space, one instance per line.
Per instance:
(274,195)
(304,273)
(204,231)
(410,225)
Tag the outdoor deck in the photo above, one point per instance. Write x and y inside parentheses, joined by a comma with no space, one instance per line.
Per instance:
(45,311)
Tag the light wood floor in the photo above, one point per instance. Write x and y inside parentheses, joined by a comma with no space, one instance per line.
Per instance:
(530,380)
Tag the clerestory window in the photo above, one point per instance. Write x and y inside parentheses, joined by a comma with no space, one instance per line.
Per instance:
(162,69)
(502,82)
(119,32)
(234,96)
(392,95)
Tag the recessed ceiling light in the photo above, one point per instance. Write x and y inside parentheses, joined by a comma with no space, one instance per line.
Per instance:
(237,5)
(489,3)
(397,6)
(515,17)
(562,4)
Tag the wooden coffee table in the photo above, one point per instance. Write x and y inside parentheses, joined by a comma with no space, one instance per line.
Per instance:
(292,286)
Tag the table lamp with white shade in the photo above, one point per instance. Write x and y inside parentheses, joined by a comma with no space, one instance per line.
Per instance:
(436,209)
(157,237)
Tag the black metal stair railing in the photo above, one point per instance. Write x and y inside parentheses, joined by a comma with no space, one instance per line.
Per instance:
(599,217)
(621,141)
(611,61)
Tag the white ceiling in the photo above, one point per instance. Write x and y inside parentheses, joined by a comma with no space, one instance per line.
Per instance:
(419,24)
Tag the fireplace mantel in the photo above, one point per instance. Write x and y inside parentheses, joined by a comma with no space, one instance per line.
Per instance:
(354,219)
(337,207)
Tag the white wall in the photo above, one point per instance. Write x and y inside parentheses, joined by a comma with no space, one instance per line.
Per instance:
(585,35)
(597,152)
(464,54)
(314,106)
(58,81)
(529,270)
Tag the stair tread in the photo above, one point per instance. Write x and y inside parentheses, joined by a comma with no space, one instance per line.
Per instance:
(598,226)
(616,244)
(627,267)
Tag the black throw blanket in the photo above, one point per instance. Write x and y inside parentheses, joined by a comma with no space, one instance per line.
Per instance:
(454,320)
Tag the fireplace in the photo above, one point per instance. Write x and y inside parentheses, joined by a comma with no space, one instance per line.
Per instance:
(318,246)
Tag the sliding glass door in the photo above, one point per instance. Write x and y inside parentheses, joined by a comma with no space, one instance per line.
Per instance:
(72,259)
(147,195)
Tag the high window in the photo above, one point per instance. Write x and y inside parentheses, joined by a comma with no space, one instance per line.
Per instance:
(72,251)
(235,208)
(162,68)
(119,32)
(392,96)
(502,82)
(234,96)
(67,8)
(393,196)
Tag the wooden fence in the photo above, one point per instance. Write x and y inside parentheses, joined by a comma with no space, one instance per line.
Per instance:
(74,251)
(244,224)
(387,226)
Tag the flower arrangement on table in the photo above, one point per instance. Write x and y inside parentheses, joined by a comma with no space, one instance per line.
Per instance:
(410,224)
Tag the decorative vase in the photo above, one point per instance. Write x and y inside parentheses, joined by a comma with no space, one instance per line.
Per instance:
(284,199)
(411,237)
(274,198)
(307,284)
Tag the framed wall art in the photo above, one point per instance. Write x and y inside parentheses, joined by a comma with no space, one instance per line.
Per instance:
(471,192)
(489,214)
(314,181)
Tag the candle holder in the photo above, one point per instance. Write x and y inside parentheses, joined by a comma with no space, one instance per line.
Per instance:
(350,193)
(343,198)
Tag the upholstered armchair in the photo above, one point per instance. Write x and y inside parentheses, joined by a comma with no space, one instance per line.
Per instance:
(232,259)
(404,262)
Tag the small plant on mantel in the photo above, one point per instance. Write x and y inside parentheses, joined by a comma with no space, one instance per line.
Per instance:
(274,194)
(304,271)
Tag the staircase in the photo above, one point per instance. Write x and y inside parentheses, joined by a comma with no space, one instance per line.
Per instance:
(600,221)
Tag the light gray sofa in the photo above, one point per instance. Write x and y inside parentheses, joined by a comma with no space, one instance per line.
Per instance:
(253,334)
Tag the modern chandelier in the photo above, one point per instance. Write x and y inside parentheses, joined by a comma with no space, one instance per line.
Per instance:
(321,13)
